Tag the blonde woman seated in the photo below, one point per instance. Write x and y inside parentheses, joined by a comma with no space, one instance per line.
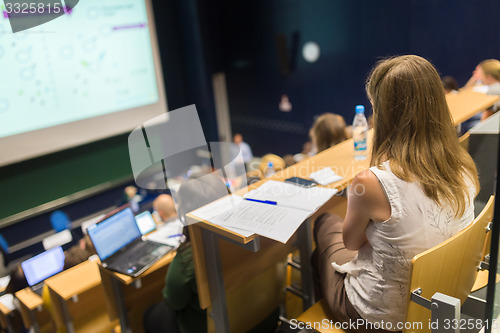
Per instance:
(327,130)
(417,193)
(487,73)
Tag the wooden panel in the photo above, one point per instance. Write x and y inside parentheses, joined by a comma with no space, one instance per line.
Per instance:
(238,264)
(33,303)
(75,280)
(468,103)
(139,293)
(245,311)
(4,312)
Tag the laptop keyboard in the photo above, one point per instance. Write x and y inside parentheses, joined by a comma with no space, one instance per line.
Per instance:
(142,254)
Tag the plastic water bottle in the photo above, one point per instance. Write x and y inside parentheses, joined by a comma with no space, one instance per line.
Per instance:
(360,134)
(270,170)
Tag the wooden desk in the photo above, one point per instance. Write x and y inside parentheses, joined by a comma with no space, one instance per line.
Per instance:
(33,313)
(78,299)
(5,318)
(468,103)
(128,297)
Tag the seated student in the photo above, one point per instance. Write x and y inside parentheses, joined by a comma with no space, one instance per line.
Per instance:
(245,149)
(486,73)
(180,310)
(73,256)
(450,84)
(327,130)
(79,253)
(418,193)
(165,207)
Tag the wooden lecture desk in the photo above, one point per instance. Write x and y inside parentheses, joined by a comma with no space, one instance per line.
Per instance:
(78,299)
(6,318)
(128,297)
(33,311)
(214,276)
(467,103)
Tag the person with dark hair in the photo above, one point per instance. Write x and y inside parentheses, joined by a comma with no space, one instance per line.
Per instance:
(418,192)
(450,84)
(75,255)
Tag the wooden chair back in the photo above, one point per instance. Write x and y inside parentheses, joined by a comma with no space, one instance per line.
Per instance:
(449,268)
(464,140)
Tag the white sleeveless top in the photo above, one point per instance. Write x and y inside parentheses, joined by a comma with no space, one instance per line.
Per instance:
(377,279)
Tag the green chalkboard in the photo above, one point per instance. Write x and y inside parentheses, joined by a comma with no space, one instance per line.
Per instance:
(34,182)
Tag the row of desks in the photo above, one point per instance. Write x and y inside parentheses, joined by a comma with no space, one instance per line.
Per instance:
(224,260)
(89,298)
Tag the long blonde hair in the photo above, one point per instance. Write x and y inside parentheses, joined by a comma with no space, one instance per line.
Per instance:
(413,129)
(491,67)
(327,131)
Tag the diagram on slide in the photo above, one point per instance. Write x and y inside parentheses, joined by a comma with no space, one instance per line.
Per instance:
(95,60)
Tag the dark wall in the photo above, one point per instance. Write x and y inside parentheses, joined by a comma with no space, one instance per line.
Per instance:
(353,35)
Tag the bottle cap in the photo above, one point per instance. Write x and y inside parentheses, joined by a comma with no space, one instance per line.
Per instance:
(270,164)
(360,109)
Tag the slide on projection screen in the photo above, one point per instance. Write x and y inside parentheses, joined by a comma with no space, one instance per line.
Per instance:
(91,73)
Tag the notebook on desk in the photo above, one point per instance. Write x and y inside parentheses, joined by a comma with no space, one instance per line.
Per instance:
(43,266)
(119,244)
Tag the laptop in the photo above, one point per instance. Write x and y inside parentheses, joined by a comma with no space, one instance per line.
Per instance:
(119,244)
(145,222)
(43,266)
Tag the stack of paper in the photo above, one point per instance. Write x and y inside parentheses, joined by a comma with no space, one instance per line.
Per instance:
(169,234)
(274,210)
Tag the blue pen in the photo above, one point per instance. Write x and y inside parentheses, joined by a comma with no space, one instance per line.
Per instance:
(173,236)
(269,202)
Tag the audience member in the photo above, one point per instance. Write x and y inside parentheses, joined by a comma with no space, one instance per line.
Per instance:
(79,253)
(449,84)
(245,149)
(73,256)
(180,310)
(289,160)
(408,201)
(487,73)
(165,207)
(327,130)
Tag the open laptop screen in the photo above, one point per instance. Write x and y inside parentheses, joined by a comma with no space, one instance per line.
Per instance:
(145,222)
(114,232)
(44,265)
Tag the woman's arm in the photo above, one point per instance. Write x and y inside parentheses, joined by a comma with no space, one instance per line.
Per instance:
(366,202)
